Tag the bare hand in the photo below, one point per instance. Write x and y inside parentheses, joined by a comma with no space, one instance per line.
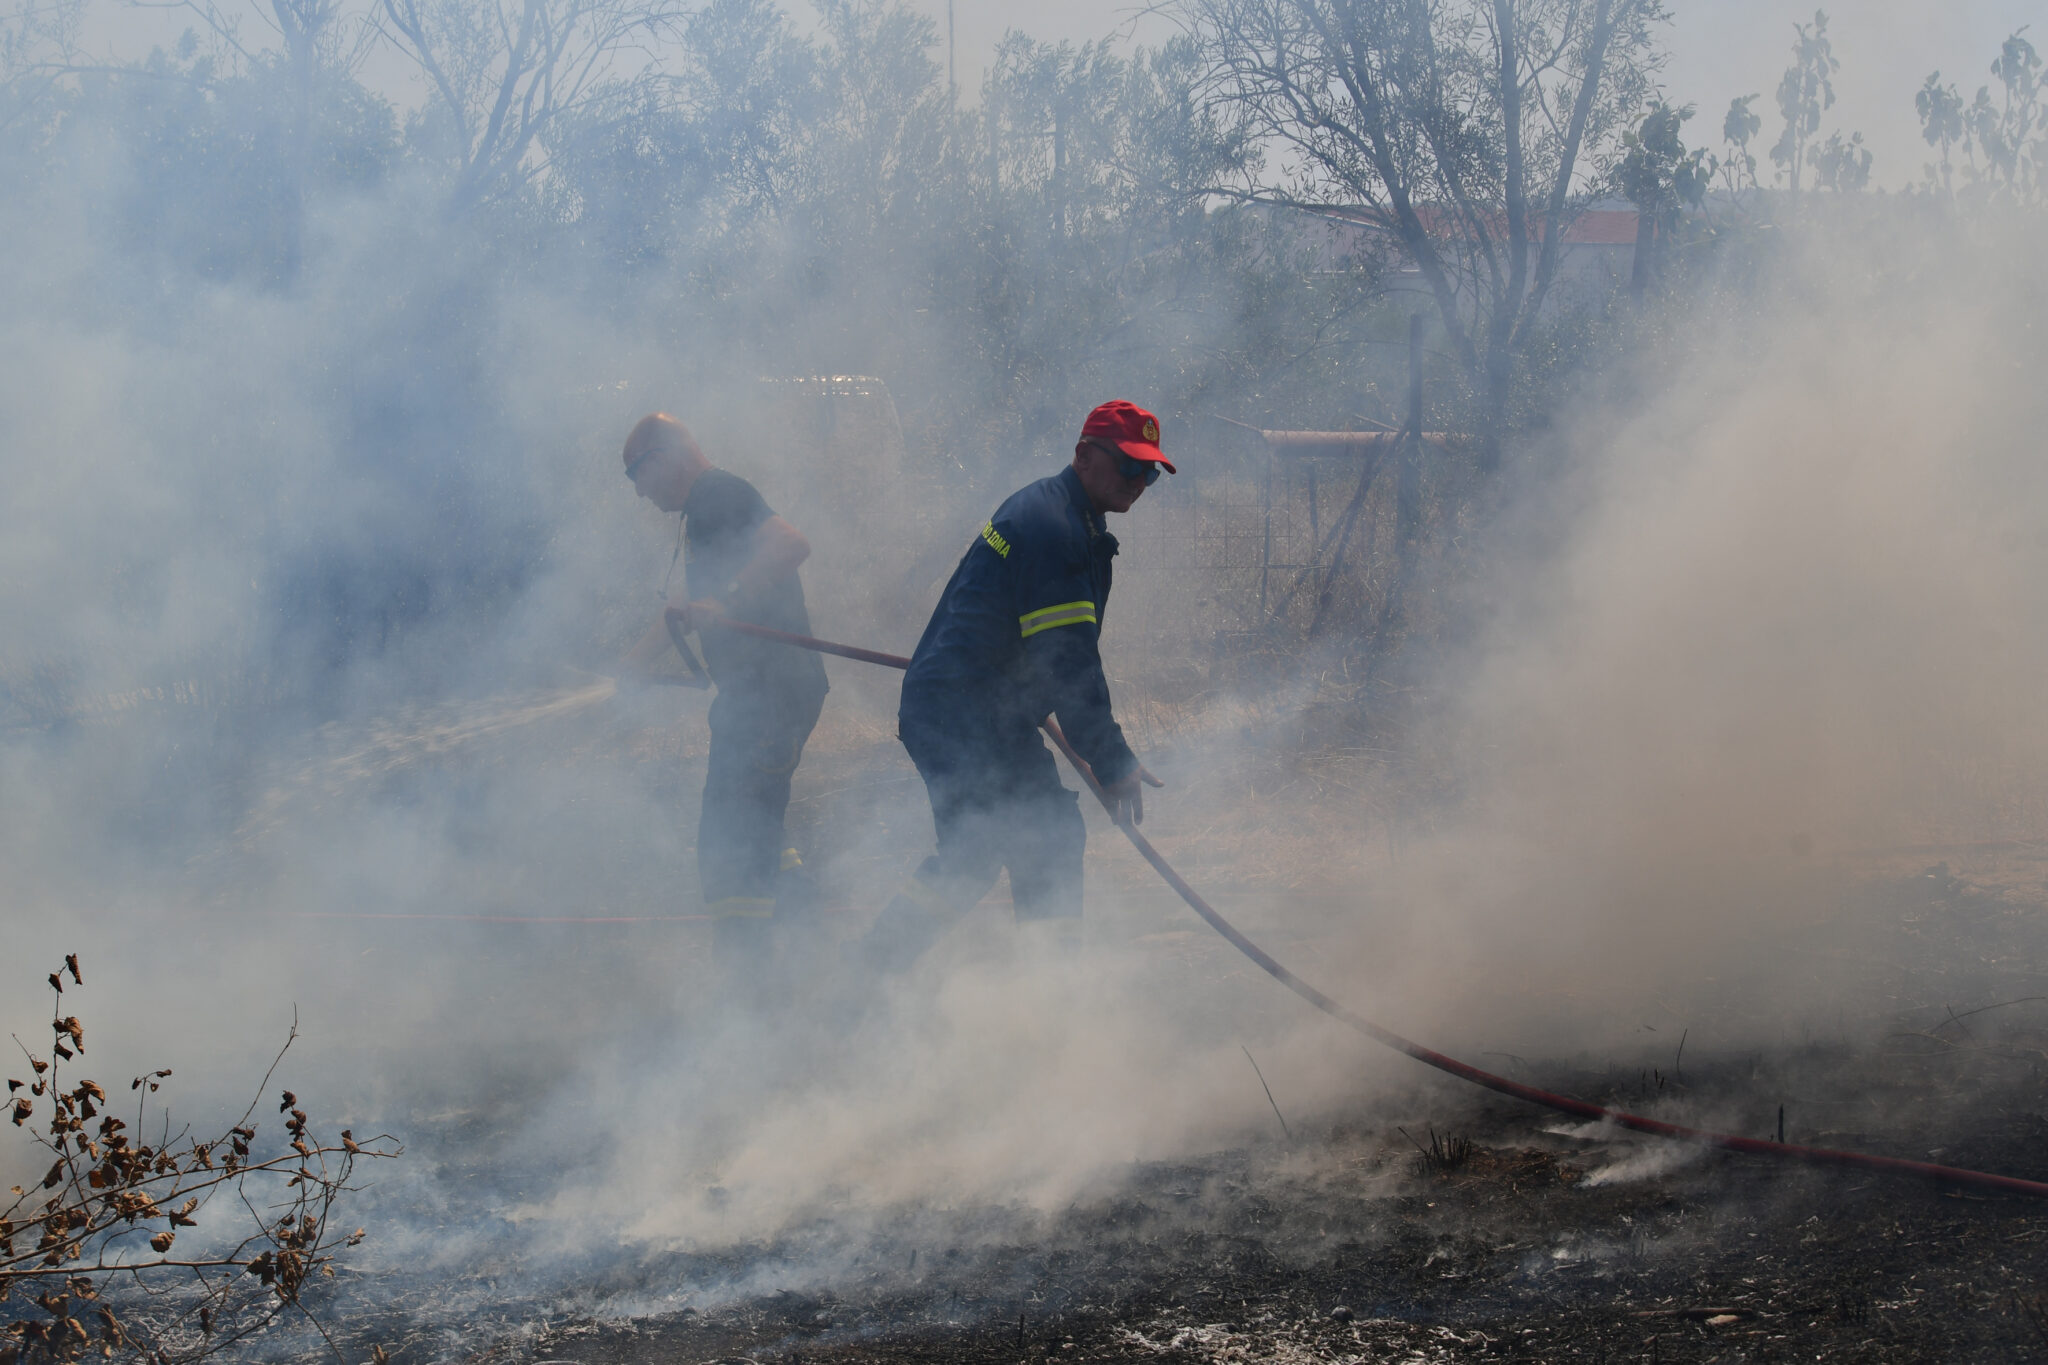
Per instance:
(696,615)
(1127,795)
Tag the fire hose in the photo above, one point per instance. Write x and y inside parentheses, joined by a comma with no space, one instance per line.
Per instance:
(1582,1109)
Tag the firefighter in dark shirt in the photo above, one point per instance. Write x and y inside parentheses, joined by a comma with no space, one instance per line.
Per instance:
(1014,639)
(740,558)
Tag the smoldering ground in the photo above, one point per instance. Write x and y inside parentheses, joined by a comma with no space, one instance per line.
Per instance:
(1782,610)
(1685,726)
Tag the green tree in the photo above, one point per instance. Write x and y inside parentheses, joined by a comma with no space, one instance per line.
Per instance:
(1469,131)
(1805,93)
(222,166)
(316,47)
(2007,130)
(1940,109)
(2003,138)
(38,48)
(1738,126)
(1841,164)
(722,142)
(1662,178)
(503,76)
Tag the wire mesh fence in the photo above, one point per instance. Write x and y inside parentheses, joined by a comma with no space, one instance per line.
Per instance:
(1233,570)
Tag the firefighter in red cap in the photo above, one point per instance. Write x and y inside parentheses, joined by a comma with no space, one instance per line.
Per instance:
(1013,640)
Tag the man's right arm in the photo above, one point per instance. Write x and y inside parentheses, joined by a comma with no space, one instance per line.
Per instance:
(653,655)
(1064,659)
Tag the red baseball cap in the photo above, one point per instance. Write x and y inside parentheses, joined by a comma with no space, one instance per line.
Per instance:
(1130,429)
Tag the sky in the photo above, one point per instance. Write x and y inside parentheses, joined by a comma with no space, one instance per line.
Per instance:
(1720,49)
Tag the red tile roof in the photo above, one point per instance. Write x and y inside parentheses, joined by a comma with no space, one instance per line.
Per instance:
(1593,227)
(1602,227)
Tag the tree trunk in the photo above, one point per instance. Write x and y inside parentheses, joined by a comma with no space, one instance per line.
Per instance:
(1639,270)
(1500,379)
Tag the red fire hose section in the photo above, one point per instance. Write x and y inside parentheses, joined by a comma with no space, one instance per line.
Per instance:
(1817,1156)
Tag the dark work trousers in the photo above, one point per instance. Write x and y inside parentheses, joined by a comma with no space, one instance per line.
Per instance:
(997,804)
(757,737)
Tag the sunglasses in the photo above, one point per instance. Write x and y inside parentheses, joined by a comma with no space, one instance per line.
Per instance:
(633,466)
(1128,468)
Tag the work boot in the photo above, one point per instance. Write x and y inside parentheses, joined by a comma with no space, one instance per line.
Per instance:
(900,935)
(1049,953)
(907,927)
(796,895)
(743,955)
(1053,938)
(803,945)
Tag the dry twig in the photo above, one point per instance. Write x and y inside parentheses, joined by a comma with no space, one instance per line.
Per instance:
(112,1206)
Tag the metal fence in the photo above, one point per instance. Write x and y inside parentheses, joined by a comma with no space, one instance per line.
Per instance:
(1220,571)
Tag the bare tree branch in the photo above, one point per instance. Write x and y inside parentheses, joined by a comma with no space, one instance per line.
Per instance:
(505,75)
(1441,121)
(66,1241)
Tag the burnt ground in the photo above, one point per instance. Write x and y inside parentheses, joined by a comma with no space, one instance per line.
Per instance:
(1360,1256)
(1510,1257)
(1344,1242)
(1337,1242)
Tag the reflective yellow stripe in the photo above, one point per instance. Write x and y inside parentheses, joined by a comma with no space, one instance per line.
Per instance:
(791,858)
(742,907)
(1065,614)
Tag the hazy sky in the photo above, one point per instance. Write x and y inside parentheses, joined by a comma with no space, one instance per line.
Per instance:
(1720,49)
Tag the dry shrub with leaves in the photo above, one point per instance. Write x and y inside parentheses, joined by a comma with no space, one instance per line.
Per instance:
(101,1229)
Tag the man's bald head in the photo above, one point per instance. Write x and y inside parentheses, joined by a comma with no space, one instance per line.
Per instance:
(663,459)
(658,432)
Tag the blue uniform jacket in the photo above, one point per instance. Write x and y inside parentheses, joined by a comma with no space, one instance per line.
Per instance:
(1014,637)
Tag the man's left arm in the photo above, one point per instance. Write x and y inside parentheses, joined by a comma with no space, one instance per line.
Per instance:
(1064,658)
(1070,656)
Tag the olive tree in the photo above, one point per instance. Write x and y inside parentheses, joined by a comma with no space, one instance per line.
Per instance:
(38,45)
(502,75)
(1469,131)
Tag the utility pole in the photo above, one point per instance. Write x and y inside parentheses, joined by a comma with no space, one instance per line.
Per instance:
(993,115)
(1059,166)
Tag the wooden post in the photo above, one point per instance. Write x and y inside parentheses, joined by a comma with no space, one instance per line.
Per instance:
(1408,489)
(1407,499)
(1639,263)
(1266,551)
